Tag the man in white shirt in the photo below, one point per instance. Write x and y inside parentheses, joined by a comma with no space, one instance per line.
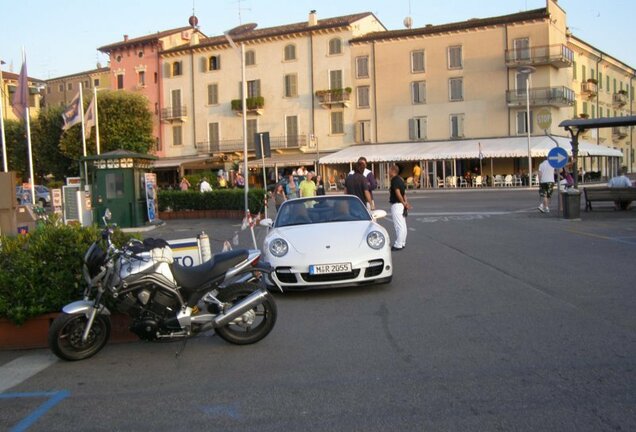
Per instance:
(546,184)
(205,186)
(621,180)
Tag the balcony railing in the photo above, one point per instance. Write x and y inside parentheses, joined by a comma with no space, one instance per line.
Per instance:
(620,99)
(619,132)
(340,96)
(254,105)
(556,55)
(174,113)
(589,88)
(276,142)
(542,96)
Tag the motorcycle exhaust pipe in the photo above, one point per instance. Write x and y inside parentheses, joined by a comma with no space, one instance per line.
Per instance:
(239,309)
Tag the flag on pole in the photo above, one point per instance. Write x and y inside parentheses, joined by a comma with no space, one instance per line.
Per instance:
(71,114)
(21,96)
(89,118)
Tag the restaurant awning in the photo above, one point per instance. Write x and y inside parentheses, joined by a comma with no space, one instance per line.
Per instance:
(285,160)
(507,147)
(175,162)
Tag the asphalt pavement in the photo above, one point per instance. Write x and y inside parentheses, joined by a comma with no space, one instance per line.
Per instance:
(498,318)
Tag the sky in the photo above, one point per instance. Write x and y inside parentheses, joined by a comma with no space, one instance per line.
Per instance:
(61,37)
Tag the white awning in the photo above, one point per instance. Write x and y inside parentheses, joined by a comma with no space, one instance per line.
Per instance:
(175,162)
(507,147)
(286,160)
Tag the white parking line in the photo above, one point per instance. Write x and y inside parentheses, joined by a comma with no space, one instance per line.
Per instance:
(23,368)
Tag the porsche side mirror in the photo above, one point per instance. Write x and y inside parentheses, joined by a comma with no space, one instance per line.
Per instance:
(267,223)
(378,214)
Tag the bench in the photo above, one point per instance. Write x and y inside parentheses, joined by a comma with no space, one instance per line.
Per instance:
(622,195)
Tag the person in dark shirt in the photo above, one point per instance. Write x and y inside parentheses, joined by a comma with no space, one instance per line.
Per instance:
(399,207)
(357,184)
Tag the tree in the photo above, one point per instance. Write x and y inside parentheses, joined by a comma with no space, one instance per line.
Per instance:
(46,132)
(16,147)
(124,123)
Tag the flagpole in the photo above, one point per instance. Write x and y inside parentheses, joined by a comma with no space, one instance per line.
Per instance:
(3,137)
(96,121)
(28,131)
(81,104)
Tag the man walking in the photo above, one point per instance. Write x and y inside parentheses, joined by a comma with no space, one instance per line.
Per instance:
(357,184)
(546,184)
(399,206)
(307,187)
(368,174)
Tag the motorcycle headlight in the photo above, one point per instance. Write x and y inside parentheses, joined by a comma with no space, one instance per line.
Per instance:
(278,247)
(375,240)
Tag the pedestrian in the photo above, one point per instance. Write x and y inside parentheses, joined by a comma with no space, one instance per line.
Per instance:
(204,186)
(368,174)
(358,185)
(417,174)
(222,182)
(399,207)
(307,187)
(185,184)
(621,181)
(546,185)
(279,196)
(291,187)
(240,180)
(320,185)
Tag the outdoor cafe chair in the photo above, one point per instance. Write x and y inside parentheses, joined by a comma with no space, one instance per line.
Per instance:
(508,180)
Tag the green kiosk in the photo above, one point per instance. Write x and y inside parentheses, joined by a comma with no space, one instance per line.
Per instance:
(118,180)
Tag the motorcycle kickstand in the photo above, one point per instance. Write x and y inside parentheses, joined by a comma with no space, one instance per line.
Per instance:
(182,347)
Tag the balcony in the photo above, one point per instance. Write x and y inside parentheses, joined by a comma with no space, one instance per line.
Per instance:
(254,105)
(558,97)
(589,88)
(236,145)
(338,97)
(559,56)
(174,114)
(619,133)
(620,99)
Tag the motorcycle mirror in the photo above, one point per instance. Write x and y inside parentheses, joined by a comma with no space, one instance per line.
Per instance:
(378,214)
(107,214)
(267,223)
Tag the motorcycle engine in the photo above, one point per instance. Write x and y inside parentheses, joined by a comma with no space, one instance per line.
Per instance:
(150,307)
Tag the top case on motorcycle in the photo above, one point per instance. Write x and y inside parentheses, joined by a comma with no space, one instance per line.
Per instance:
(192,278)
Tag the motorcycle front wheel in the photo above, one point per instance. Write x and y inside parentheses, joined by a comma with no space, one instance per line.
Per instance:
(65,336)
(253,325)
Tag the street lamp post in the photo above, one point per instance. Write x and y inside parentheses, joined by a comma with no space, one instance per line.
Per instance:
(527,71)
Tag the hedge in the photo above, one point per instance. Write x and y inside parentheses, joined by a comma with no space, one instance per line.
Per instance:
(220,199)
(42,270)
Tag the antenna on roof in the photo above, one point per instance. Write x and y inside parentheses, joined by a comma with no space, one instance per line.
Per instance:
(240,9)
(408,21)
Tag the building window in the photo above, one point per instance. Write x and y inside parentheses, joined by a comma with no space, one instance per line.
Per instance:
(362,67)
(522,122)
(417,61)
(291,85)
(291,131)
(156,77)
(456,89)
(118,58)
(363,96)
(250,58)
(584,107)
(87,84)
(61,88)
(600,111)
(140,54)
(335,79)
(142,79)
(69,86)
(177,138)
(253,88)
(455,57)
(418,92)
(96,82)
(120,81)
(363,131)
(335,46)
(290,52)
(213,135)
(214,62)
(583,74)
(600,80)
(607,83)
(522,49)
(593,111)
(213,94)
(574,70)
(457,125)
(417,128)
(337,122)
(176,68)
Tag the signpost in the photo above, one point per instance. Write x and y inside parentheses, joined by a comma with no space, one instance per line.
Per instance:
(263,150)
(558,157)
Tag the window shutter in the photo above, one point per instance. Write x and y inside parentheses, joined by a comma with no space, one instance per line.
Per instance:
(203,64)
(412,135)
(257,88)
(166,70)
(357,133)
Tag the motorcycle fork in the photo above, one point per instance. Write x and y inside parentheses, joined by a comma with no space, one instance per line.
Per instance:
(92,315)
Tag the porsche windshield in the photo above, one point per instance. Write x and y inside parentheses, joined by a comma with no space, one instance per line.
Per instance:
(321,210)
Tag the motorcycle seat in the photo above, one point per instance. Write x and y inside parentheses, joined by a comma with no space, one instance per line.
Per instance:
(191,278)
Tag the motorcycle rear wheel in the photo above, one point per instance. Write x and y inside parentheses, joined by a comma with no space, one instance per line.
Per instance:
(65,336)
(264,316)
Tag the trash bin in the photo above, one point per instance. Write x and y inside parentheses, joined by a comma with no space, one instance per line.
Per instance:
(571,204)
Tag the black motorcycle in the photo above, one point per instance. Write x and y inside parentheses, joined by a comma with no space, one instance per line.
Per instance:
(226,294)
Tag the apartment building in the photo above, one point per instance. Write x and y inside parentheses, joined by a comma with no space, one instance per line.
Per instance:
(60,91)
(8,87)
(299,79)
(135,66)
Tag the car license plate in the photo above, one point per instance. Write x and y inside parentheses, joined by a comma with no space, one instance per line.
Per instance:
(329,268)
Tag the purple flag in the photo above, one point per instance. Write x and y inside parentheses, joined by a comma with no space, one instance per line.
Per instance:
(71,114)
(21,96)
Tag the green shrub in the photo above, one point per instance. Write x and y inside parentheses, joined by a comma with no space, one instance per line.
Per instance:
(220,199)
(42,271)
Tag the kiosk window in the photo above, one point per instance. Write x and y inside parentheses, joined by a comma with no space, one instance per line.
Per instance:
(114,185)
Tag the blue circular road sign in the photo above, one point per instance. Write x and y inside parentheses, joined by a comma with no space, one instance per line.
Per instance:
(558,157)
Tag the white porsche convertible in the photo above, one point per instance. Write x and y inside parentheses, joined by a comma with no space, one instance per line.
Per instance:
(327,241)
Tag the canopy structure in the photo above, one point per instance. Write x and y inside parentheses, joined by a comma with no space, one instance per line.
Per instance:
(285,160)
(176,162)
(508,147)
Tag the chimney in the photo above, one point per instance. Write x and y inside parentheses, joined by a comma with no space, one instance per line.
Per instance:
(125,38)
(194,39)
(313,18)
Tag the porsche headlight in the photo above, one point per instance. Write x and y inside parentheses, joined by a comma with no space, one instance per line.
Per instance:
(278,247)
(375,240)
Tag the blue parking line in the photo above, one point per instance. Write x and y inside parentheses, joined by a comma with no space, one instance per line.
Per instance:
(27,422)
